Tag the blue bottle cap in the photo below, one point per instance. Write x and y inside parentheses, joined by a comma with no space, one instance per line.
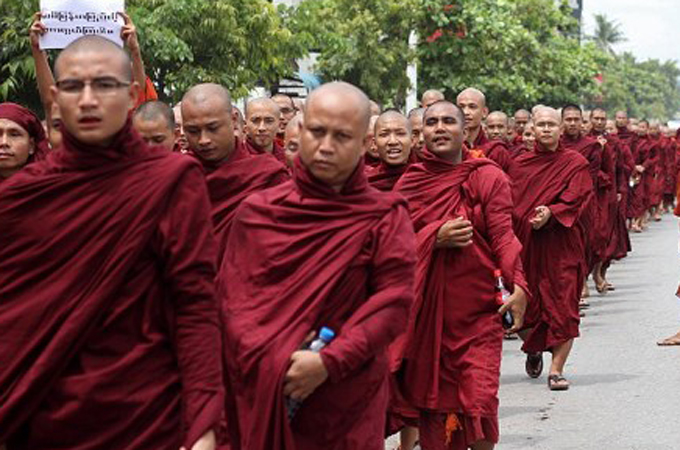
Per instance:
(326,334)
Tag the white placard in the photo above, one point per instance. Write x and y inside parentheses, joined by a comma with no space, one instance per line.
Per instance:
(67,20)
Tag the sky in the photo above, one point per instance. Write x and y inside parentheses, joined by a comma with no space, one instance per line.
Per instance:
(652,27)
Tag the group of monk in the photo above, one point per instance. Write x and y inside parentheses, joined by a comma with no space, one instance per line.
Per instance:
(165,270)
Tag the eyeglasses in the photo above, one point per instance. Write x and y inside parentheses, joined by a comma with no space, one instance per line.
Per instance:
(100,86)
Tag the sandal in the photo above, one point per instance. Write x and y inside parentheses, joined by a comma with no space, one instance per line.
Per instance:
(534,364)
(557,383)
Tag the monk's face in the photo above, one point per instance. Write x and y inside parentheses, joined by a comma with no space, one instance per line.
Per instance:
(332,138)
(156,131)
(370,147)
(54,129)
(497,127)
(572,121)
(94,95)
(287,110)
(209,129)
(16,146)
(642,128)
(180,137)
(621,119)
(416,122)
(610,128)
(393,139)
(291,143)
(599,120)
(474,109)
(547,128)
(654,129)
(262,124)
(521,119)
(444,130)
(529,136)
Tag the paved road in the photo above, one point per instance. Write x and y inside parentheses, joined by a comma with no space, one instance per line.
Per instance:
(625,390)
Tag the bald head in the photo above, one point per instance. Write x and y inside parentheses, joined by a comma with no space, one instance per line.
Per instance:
(497,125)
(291,138)
(155,110)
(263,117)
(392,115)
(96,45)
(208,92)
(355,97)
(431,96)
(472,93)
(548,121)
(155,121)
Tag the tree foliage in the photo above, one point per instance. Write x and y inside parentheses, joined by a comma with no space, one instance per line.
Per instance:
(607,33)
(519,52)
(363,42)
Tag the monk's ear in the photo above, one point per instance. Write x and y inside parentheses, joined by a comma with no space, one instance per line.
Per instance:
(485,112)
(32,143)
(134,93)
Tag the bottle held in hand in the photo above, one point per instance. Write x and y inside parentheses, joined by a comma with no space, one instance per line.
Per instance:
(503,295)
(326,335)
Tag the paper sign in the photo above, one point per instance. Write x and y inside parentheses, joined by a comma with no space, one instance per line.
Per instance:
(67,20)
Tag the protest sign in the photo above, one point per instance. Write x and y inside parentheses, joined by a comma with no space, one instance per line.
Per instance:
(67,20)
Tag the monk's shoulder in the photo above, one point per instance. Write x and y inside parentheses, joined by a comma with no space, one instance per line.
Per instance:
(574,157)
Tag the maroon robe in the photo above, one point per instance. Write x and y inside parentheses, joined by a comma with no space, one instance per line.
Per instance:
(658,173)
(644,154)
(110,325)
(606,199)
(619,245)
(553,255)
(277,152)
(371,161)
(591,149)
(496,150)
(301,256)
(454,340)
(385,176)
(230,182)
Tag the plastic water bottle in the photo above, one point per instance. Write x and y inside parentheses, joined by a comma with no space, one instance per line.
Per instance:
(503,295)
(326,335)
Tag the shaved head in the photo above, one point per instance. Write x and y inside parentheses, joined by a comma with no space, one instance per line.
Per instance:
(497,125)
(262,102)
(473,93)
(95,45)
(155,110)
(338,89)
(391,115)
(547,110)
(498,115)
(202,93)
(431,96)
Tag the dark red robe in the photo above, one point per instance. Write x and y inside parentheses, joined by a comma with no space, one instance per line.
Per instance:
(619,245)
(606,199)
(230,182)
(301,256)
(277,152)
(110,332)
(496,150)
(644,154)
(454,340)
(384,176)
(552,256)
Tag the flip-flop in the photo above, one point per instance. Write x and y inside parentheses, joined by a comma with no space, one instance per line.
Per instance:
(534,364)
(670,342)
(557,383)
(611,287)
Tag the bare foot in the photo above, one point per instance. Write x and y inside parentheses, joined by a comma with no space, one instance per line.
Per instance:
(670,341)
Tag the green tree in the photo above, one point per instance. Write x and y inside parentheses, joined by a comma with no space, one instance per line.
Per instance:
(364,42)
(607,33)
(519,53)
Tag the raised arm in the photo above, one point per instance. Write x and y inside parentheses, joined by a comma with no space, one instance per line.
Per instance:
(43,72)
(129,35)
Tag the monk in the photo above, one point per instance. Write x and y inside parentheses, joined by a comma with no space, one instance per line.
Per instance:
(155,122)
(22,139)
(497,126)
(325,249)
(659,174)
(376,109)
(232,172)
(181,144)
(521,116)
(371,157)
(462,212)
(431,96)
(262,124)
(287,110)
(473,103)
(551,191)
(511,133)
(291,142)
(645,156)
(394,140)
(608,196)
(415,118)
(116,243)
(574,138)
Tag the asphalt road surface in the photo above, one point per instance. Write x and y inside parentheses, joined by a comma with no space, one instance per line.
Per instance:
(625,391)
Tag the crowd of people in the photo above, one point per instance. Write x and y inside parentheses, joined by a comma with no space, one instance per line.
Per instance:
(167,269)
